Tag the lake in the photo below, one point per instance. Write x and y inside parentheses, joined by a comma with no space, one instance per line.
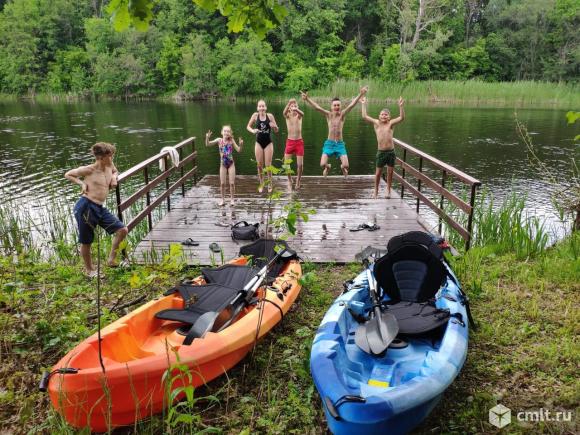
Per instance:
(40,141)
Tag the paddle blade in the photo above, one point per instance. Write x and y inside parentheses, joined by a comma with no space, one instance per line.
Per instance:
(360,339)
(380,332)
(204,324)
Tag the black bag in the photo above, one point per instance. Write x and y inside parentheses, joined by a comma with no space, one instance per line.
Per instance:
(244,231)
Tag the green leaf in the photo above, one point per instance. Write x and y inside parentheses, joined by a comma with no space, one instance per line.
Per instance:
(572,116)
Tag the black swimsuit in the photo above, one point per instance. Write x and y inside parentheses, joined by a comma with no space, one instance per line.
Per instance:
(263,135)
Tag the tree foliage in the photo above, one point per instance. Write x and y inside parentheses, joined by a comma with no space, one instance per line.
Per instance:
(201,48)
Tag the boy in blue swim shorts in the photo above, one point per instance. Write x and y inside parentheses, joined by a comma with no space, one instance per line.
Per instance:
(334,145)
(89,211)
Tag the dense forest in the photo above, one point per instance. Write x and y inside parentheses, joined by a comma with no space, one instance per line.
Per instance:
(70,46)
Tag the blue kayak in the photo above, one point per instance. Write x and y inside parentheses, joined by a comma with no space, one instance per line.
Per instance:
(389,393)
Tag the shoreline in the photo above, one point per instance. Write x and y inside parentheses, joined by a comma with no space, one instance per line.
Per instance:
(523,94)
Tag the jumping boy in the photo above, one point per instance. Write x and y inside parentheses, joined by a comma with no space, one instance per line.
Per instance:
(334,145)
(386,149)
(89,212)
(294,143)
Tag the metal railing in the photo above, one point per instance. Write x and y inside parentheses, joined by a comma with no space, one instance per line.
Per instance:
(144,168)
(423,180)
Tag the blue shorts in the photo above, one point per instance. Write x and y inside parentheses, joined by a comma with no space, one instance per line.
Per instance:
(90,214)
(334,148)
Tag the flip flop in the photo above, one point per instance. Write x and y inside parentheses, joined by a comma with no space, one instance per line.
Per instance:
(190,242)
(360,227)
(94,274)
(214,247)
(373,227)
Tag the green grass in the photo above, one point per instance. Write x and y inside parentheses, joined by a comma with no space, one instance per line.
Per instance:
(524,355)
(470,92)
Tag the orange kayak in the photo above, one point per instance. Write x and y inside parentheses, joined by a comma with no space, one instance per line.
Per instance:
(138,349)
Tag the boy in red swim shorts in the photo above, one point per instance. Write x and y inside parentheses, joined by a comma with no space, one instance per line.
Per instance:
(294,143)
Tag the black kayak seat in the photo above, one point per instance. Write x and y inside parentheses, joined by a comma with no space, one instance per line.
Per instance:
(410,274)
(262,251)
(223,285)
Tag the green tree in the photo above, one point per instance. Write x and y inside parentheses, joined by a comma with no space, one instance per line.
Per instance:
(169,63)
(199,66)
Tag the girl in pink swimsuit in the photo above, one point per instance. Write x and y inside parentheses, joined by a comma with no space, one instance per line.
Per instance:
(226,145)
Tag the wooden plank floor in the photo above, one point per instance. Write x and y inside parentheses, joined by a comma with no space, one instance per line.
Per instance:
(340,204)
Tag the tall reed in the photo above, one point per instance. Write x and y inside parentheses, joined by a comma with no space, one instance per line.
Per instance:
(506,226)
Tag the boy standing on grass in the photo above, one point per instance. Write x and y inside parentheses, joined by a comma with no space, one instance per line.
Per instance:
(334,145)
(294,143)
(89,212)
(386,149)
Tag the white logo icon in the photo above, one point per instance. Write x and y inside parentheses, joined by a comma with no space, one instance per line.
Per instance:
(500,416)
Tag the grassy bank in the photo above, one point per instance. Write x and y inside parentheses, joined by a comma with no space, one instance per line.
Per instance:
(524,355)
(468,92)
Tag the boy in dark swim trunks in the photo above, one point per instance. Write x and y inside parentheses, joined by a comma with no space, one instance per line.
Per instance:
(334,145)
(226,144)
(89,212)
(384,127)
(261,124)
(294,143)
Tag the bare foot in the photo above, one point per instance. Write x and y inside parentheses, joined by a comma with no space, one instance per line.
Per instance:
(388,195)
(297,187)
(93,274)
(260,188)
(375,195)
(270,188)
(290,185)
(326,169)
(232,202)
(221,203)
(344,171)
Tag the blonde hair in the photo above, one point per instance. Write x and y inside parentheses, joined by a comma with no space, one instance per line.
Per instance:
(102,149)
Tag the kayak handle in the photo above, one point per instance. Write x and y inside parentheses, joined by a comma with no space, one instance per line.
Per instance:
(43,386)
(348,398)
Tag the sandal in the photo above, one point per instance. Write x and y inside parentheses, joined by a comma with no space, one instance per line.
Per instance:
(360,227)
(190,242)
(373,227)
(214,247)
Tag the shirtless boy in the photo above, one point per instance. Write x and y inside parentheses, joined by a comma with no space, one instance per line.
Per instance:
(334,145)
(89,212)
(294,143)
(386,149)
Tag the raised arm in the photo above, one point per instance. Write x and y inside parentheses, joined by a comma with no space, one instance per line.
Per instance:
(115,174)
(401,116)
(273,123)
(236,146)
(74,174)
(300,112)
(210,142)
(348,108)
(286,110)
(251,122)
(315,106)
(366,117)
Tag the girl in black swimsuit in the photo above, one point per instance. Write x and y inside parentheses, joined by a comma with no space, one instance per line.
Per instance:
(261,124)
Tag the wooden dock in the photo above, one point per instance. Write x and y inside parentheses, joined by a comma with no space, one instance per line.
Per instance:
(340,204)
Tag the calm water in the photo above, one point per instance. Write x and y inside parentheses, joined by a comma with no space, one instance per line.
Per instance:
(39,142)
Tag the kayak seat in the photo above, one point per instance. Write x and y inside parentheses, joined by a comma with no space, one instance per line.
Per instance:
(262,251)
(410,273)
(229,275)
(198,300)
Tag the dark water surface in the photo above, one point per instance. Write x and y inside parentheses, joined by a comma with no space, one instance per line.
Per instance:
(39,142)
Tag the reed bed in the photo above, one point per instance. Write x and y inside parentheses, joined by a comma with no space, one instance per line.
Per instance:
(470,92)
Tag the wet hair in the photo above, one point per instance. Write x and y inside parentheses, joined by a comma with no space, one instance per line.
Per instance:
(335,99)
(385,110)
(102,149)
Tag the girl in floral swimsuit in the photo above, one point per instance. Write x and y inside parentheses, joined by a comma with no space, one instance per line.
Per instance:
(226,145)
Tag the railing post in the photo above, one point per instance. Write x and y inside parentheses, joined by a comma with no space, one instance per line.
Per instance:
(443,178)
(403,172)
(118,198)
(419,181)
(167,168)
(470,218)
(147,197)
(194,162)
(182,171)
